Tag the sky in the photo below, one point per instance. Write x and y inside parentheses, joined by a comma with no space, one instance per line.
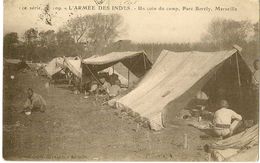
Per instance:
(139,25)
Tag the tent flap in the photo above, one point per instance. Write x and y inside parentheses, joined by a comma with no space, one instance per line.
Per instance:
(136,62)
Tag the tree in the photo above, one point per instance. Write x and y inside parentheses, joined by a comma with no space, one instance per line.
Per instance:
(66,45)
(31,42)
(224,33)
(47,38)
(47,45)
(10,42)
(31,36)
(95,31)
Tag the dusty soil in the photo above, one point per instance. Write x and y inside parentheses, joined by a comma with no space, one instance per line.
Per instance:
(74,128)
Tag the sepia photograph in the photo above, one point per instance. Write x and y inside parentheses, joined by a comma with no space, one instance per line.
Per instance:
(130,80)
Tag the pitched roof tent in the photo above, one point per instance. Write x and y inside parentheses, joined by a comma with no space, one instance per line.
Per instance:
(54,66)
(136,62)
(74,65)
(174,78)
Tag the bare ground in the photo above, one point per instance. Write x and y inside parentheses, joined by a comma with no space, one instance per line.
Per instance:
(74,128)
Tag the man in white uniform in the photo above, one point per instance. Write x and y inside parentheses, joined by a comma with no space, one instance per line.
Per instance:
(225,120)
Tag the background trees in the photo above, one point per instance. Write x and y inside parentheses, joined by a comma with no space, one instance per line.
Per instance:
(97,35)
(223,33)
(96,31)
(10,41)
(81,36)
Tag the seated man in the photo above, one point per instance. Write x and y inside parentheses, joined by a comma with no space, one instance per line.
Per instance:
(104,88)
(76,85)
(222,121)
(34,102)
(115,89)
(201,98)
(93,87)
(113,78)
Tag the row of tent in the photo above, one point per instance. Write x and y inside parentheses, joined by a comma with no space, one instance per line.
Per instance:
(136,62)
(170,83)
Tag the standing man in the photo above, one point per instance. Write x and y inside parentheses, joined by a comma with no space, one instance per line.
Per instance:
(34,102)
(255,87)
(225,120)
(256,74)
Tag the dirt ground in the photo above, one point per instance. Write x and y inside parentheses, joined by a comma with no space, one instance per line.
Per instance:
(74,128)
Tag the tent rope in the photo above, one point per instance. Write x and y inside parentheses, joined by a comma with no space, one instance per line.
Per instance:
(95,78)
(93,75)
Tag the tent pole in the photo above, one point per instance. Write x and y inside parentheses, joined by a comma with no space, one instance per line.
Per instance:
(238,72)
(238,76)
(152,53)
(81,79)
(95,77)
(128,77)
(144,62)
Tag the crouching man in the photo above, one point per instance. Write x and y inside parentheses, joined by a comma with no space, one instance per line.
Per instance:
(115,89)
(225,120)
(34,102)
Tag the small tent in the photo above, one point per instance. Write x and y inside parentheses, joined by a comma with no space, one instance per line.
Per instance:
(15,64)
(59,63)
(176,77)
(137,62)
(54,66)
(74,65)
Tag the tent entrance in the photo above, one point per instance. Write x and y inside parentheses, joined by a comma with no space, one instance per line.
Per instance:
(230,80)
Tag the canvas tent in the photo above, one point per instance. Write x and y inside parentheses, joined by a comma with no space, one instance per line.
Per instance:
(54,66)
(15,64)
(74,65)
(59,63)
(136,62)
(240,147)
(175,78)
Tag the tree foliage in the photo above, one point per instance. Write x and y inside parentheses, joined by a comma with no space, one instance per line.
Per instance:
(97,31)
(10,41)
(223,33)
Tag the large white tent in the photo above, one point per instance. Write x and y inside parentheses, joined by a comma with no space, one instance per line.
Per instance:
(175,78)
